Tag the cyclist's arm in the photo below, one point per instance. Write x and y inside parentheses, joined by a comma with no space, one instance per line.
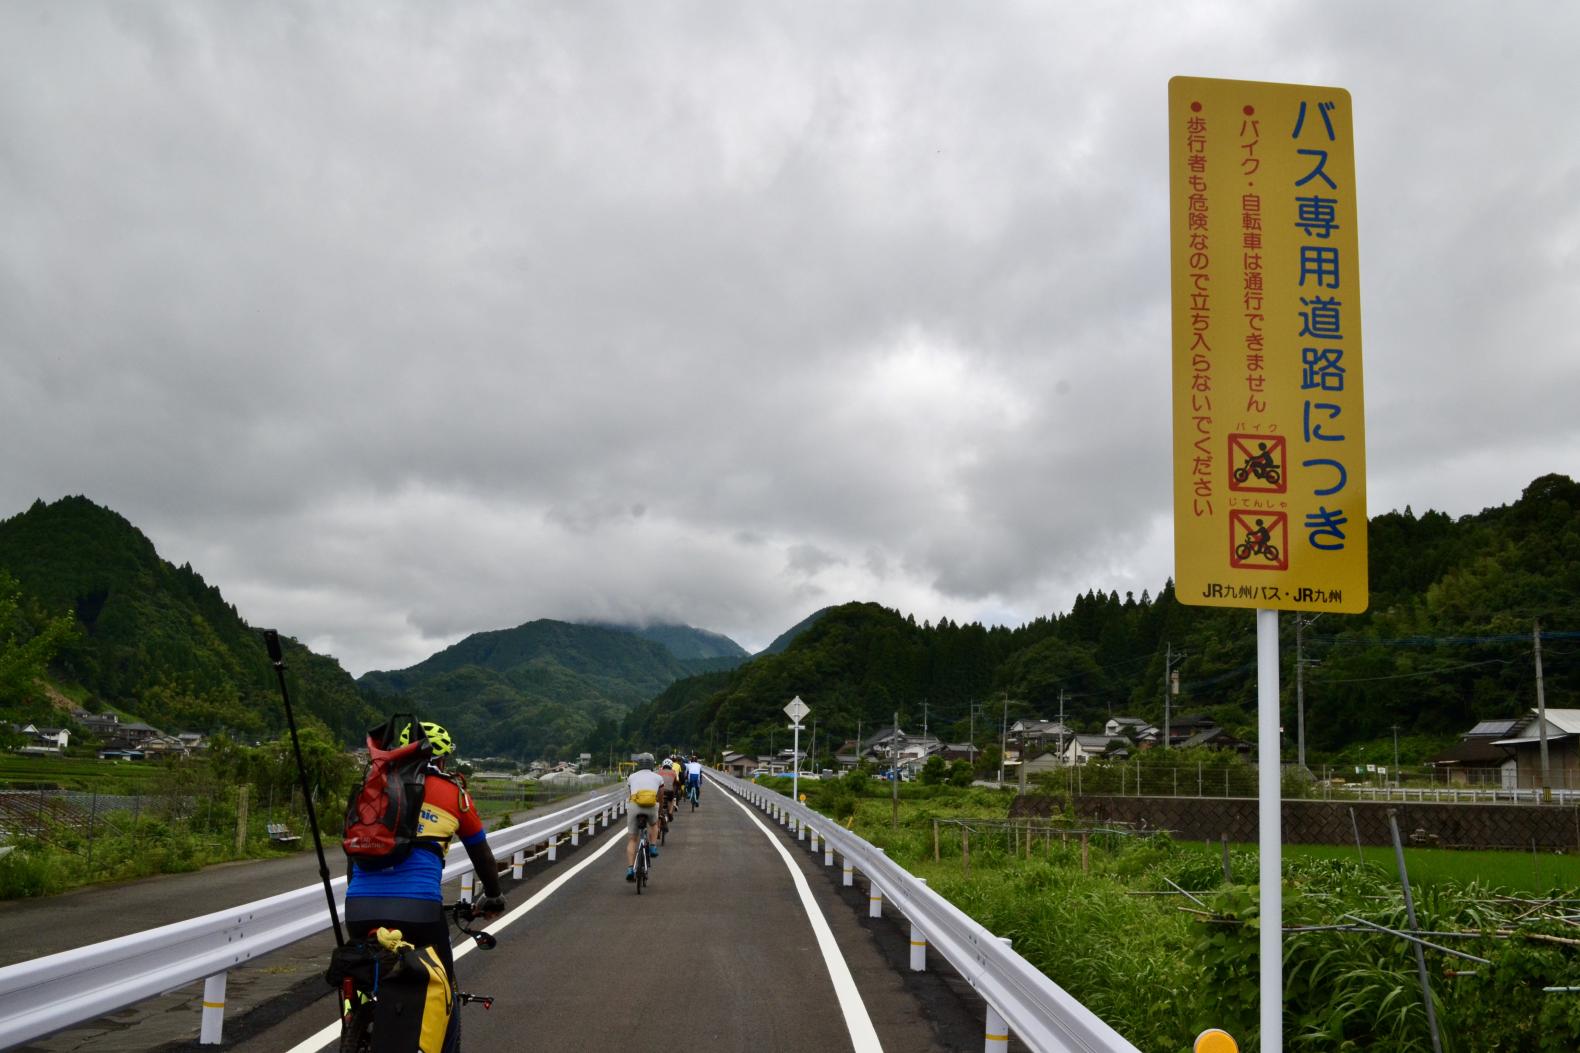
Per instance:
(475,838)
(487,866)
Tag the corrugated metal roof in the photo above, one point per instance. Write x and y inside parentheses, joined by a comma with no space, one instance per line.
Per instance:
(1500,728)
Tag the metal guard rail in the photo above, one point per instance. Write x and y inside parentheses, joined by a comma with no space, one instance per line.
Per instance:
(1044,1015)
(59,990)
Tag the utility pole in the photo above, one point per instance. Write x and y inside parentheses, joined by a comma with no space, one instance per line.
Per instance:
(1541,701)
(1003,739)
(812,757)
(971,744)
(1169,662)
(924,720)
(1300,686)
(1395,754)
(858,741)
(1061,725)
(894,770)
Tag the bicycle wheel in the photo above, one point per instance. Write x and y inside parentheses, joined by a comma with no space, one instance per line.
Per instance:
(356,1033)
(641,865)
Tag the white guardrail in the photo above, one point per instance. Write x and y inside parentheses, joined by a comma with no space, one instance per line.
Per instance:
(1040,1012)
(73,987)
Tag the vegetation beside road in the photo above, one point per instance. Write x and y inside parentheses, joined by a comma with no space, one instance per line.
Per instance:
(1160,967)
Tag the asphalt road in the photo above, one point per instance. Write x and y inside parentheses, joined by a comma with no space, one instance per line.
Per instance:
(722,951)
(36,927)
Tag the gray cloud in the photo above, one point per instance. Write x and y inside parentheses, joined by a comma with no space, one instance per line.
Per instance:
(401,322)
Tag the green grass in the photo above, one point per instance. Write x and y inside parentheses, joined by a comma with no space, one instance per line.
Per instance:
(1520,872)
(79,773)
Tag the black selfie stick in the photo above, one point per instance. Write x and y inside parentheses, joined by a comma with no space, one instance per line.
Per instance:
(271,640)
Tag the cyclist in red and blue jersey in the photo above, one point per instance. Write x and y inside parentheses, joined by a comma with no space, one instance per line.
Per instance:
(406,896)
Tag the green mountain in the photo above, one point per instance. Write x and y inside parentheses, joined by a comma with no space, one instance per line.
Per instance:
(783,641)
(1447,641)
(685,642)
(540,688)
(156,640)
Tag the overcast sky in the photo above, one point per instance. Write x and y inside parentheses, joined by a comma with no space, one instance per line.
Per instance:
(404,321)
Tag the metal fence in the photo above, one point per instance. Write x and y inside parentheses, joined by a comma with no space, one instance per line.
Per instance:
(1135,778)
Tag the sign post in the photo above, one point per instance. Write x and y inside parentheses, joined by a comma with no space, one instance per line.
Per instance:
(1269,432)
(796,710)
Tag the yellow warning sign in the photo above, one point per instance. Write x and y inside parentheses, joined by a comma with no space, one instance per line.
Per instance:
(1269,424)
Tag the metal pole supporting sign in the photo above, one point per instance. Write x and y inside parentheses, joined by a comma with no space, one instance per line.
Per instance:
(796,710)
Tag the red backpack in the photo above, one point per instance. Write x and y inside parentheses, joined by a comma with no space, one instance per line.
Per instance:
(381,818)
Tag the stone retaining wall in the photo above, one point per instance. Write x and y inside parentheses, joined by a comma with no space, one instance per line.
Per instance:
(1330,823)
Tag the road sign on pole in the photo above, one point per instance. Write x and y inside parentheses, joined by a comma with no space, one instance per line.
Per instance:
(795,711)
(1269,431)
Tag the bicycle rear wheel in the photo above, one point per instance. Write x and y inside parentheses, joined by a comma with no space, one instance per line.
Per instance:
(641,865)
(356,1034)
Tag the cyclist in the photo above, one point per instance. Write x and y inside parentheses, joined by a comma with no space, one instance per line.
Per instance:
(406,896)
(694,778)
(671,779)
(642,787)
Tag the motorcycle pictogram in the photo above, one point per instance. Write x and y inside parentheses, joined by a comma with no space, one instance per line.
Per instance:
(1260,465)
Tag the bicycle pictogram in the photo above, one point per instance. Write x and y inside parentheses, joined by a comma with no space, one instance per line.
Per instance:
(1258,540)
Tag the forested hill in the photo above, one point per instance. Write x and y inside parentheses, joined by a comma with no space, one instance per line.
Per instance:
(1447,641)
(156,640)
(685,642)
(540,688)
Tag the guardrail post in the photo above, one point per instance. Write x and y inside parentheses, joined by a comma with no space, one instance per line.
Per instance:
(850,874)
(828,853)
(995,1032)
(800,830)
(468,881)
(814,841)
(874,897)
(213,1010)
(518,864)
(576,834)
(918,942)
(554,843)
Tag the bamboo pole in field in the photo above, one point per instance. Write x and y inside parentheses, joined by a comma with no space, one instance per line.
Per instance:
(935,840)
(965,850)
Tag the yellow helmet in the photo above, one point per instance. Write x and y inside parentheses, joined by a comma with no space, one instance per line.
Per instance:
(436,735)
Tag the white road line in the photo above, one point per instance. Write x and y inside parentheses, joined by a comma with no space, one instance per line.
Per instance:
(332,1033)
(862,1034)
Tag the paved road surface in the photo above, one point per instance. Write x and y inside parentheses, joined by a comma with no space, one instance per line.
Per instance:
(722,951)
(35,927)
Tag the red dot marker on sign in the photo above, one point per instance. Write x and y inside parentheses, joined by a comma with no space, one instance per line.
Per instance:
(1195,107)
(1250,110)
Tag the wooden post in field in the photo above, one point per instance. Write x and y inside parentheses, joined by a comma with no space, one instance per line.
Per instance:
(965,850)
(1086,861)
(1228,875)
(935,840)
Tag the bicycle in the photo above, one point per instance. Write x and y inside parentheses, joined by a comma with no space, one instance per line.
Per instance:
(361,963)
(693,792)
(643,862)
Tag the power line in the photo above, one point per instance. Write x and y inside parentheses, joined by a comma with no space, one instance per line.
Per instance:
(1424,672)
